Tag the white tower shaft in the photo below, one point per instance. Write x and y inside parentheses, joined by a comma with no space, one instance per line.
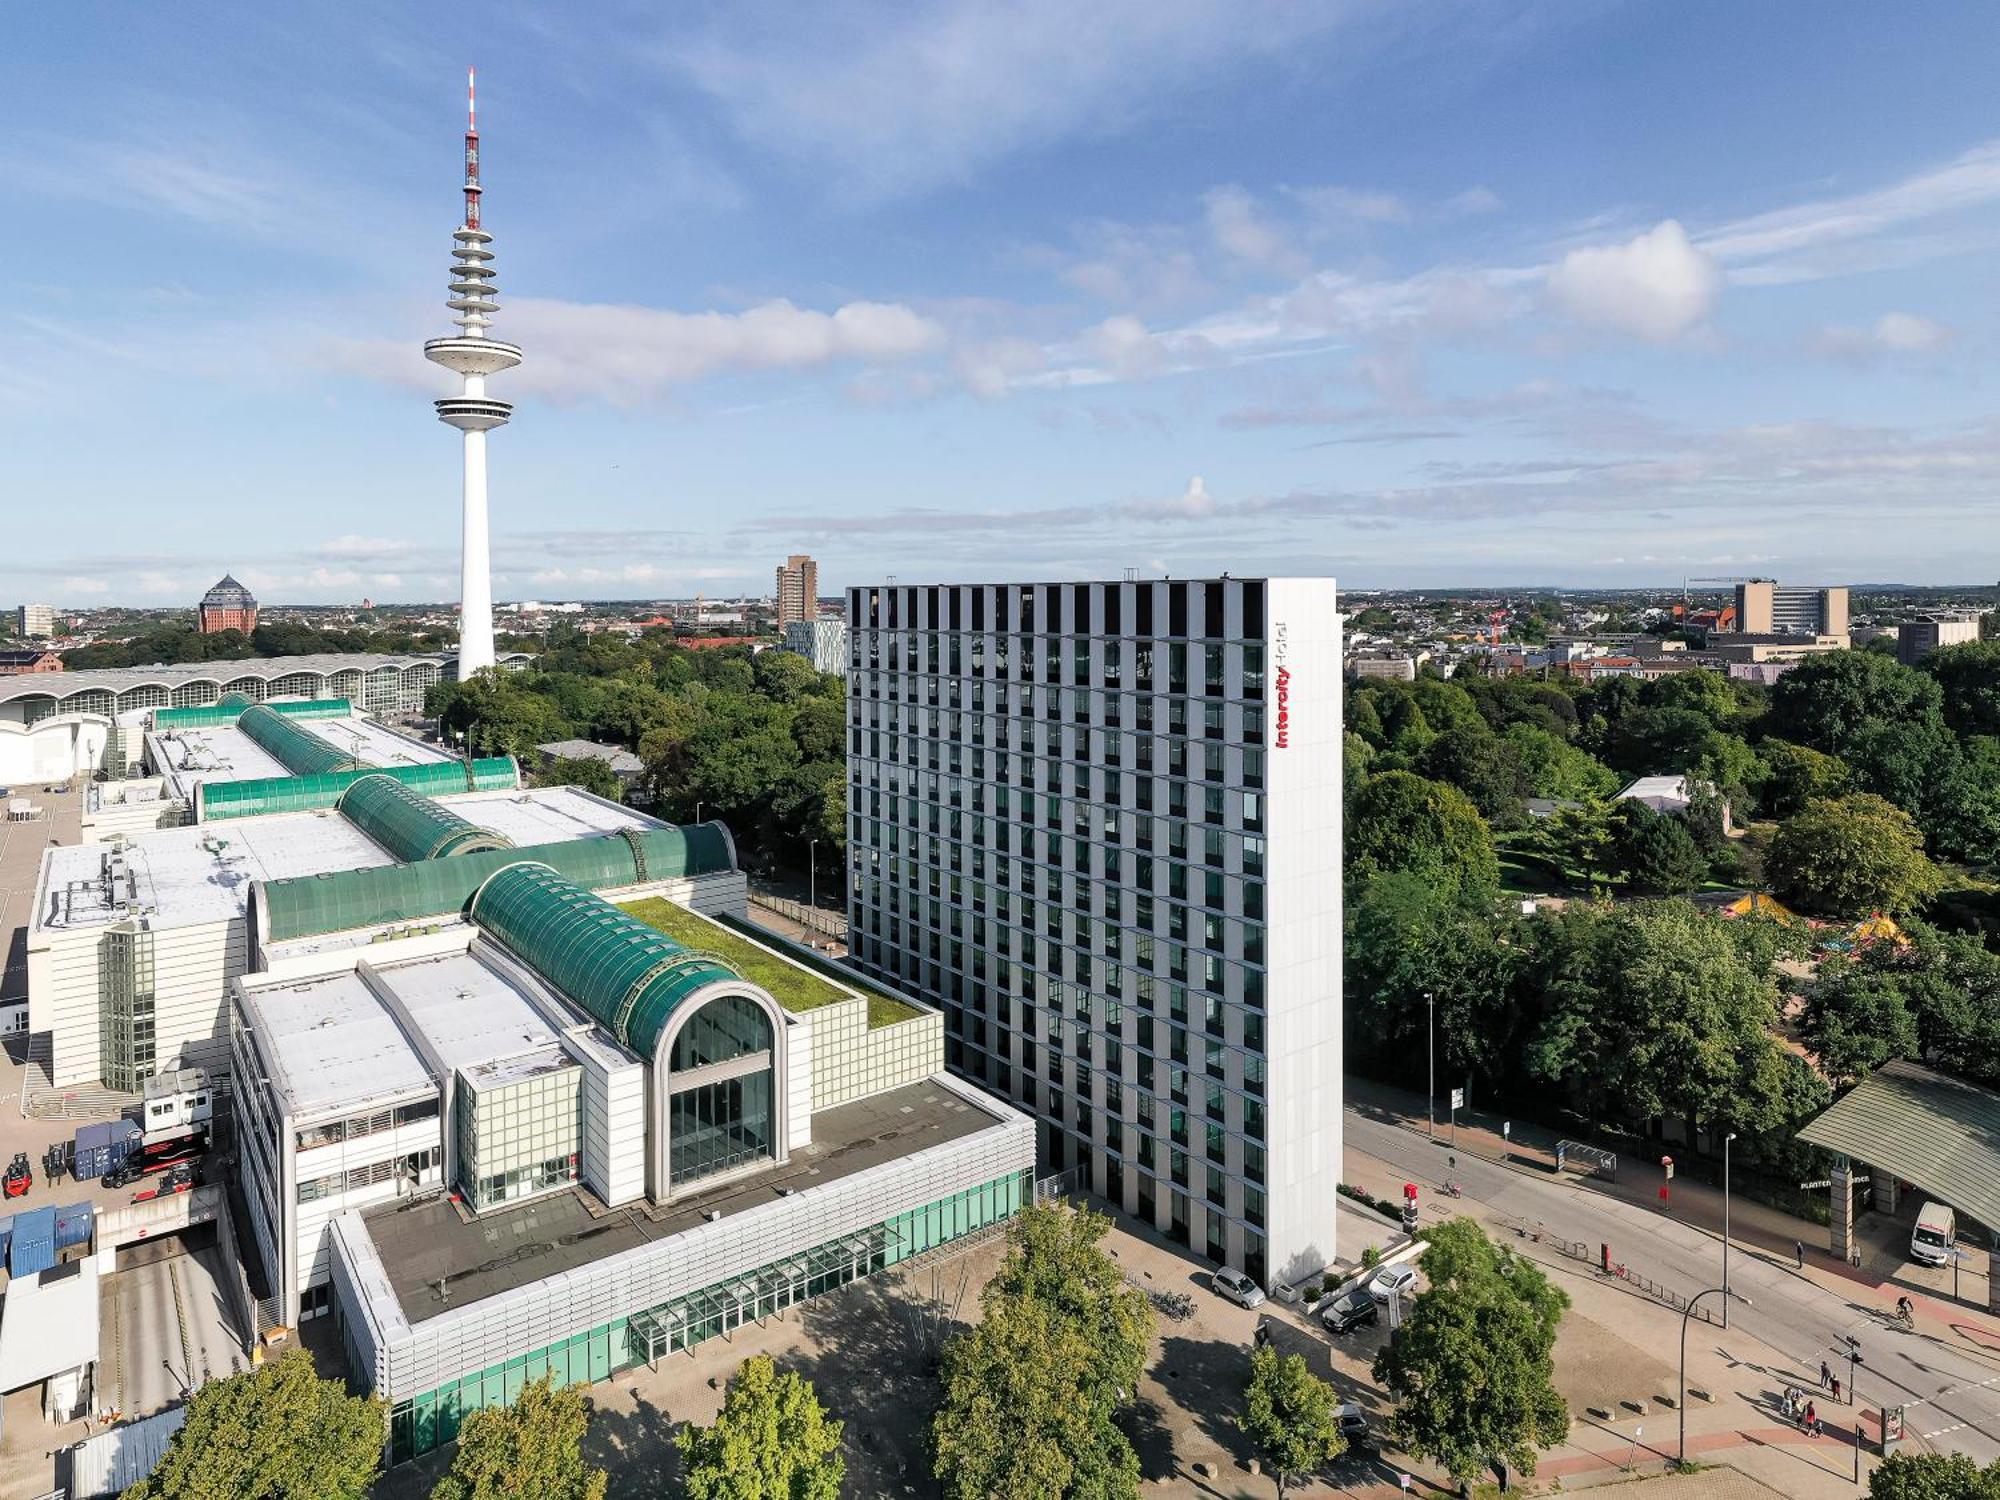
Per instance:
(473,356)
(475,570)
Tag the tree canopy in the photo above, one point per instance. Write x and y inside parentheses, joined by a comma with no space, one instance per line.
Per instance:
(277,1432)
(1849,856)
(772,1441)
(1471,1368)
(1403,822)
(1290,1414)
(1934,1476)
(1032,1390)
(531,1449)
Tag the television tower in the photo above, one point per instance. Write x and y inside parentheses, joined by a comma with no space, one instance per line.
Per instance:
(474,356)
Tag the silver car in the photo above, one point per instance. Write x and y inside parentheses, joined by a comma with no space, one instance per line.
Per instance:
(1238,1288)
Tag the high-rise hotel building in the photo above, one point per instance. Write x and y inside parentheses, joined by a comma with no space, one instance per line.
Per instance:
(1098,824)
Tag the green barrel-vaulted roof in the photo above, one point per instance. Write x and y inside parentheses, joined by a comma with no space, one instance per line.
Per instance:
(629,976)
(410,825)
(215,800)
(230,709)
(310,905)
(300,750)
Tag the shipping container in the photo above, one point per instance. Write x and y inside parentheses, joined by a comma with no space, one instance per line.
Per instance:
(73,1225)
(124,1141)
(90,1155)
(34,1245)
(6,1237)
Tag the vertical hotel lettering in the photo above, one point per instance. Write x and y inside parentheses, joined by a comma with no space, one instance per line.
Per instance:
(1280,654)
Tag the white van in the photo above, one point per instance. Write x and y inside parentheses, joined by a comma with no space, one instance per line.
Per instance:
(1931,1240)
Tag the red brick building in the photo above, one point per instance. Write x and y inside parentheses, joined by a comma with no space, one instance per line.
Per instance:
(228,606)
(15,663)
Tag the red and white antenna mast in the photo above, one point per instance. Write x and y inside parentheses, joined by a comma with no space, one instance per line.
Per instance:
(471,154)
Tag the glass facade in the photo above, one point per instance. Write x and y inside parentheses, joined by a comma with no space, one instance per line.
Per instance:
(433,1419)
(125,989)
(1057,822)
(518,1139)
(715,1127)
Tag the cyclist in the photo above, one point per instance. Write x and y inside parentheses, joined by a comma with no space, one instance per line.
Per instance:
(1906,1310)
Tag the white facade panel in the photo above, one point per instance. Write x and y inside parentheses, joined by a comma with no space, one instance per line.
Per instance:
(1303,967)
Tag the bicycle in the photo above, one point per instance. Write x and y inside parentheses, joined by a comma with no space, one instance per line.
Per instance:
(1905,1314)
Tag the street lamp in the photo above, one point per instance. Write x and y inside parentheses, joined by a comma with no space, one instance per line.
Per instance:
(699,805)
(1725,1224)
(1853,1359)
(812,881)
(1431,1085)
(1714,1291)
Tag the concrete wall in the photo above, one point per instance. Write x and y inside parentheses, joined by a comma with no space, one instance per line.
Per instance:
(52,749)
(126,807)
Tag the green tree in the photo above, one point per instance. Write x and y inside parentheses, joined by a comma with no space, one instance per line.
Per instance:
(1653,852)
(1795,775)
(1032,1390)
(1556,768)
(1479,763)
(278,1432)
(1855,1020)
(1934,1476)
(1848,856)
(1969,678)
(529,1450)
(1471,1368)
(586,771)
(498,713)
(1825,700)
(772,1441)
(1402,821)
(1290,1414)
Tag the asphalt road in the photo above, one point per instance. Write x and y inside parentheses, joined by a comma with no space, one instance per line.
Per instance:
(171,1328)
(1951,1386)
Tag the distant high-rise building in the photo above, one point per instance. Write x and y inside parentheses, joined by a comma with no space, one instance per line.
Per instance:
(35,621)
(1767,608)
(228,606)
(821,642)
(1099,824)
(798,590)
(1916,639)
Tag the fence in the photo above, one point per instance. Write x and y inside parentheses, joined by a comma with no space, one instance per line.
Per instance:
(812,918)
(1583,1157)
(1594,1255)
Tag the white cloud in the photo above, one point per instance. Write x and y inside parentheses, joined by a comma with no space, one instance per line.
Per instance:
(1474,200)
(990,370)
(76,585)
(1333,208)
(1894,333)
(1657,286)
(908,97)
(1242,234)
(627,353)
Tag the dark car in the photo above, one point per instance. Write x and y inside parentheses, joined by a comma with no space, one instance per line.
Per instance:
(1354,1429)
(1350,1310)
(126,1175)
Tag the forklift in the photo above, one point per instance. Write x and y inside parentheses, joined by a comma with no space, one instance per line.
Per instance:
(19,1177)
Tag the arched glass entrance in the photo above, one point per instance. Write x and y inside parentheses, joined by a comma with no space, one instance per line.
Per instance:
(722,1088)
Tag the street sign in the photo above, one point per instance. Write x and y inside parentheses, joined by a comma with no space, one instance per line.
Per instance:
(1458,1098)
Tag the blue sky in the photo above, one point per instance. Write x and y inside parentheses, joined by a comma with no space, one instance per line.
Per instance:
(1426,295)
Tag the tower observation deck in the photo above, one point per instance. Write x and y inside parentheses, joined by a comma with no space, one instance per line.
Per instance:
(473,356)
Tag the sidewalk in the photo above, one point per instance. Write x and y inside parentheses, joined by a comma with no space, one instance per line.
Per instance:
(1754,1228)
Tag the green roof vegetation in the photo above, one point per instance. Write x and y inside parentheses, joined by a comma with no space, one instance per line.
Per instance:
(799,985)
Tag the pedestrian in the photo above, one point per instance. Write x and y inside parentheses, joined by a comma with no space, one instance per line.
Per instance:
(1825,1375)
(1799,1249)
(1812,1420)
(1836,1390)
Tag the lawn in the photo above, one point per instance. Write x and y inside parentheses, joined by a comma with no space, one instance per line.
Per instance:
(798,986)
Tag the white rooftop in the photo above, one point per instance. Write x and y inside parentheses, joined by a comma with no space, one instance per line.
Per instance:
(49,1323)
(1646,788)
(477,1017)
(331,1044)
(182,877)
(189,757)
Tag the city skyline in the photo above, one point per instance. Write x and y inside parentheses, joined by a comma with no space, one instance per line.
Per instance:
(1488,299)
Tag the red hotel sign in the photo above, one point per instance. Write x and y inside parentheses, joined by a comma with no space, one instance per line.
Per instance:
(1281,653)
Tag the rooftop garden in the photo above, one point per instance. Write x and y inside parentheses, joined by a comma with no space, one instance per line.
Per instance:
(799,985)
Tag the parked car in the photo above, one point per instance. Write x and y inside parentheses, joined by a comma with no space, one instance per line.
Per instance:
(1238,1288)
(1391,1280)
(125,1176)
(1354,1428)
(1349,1311)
